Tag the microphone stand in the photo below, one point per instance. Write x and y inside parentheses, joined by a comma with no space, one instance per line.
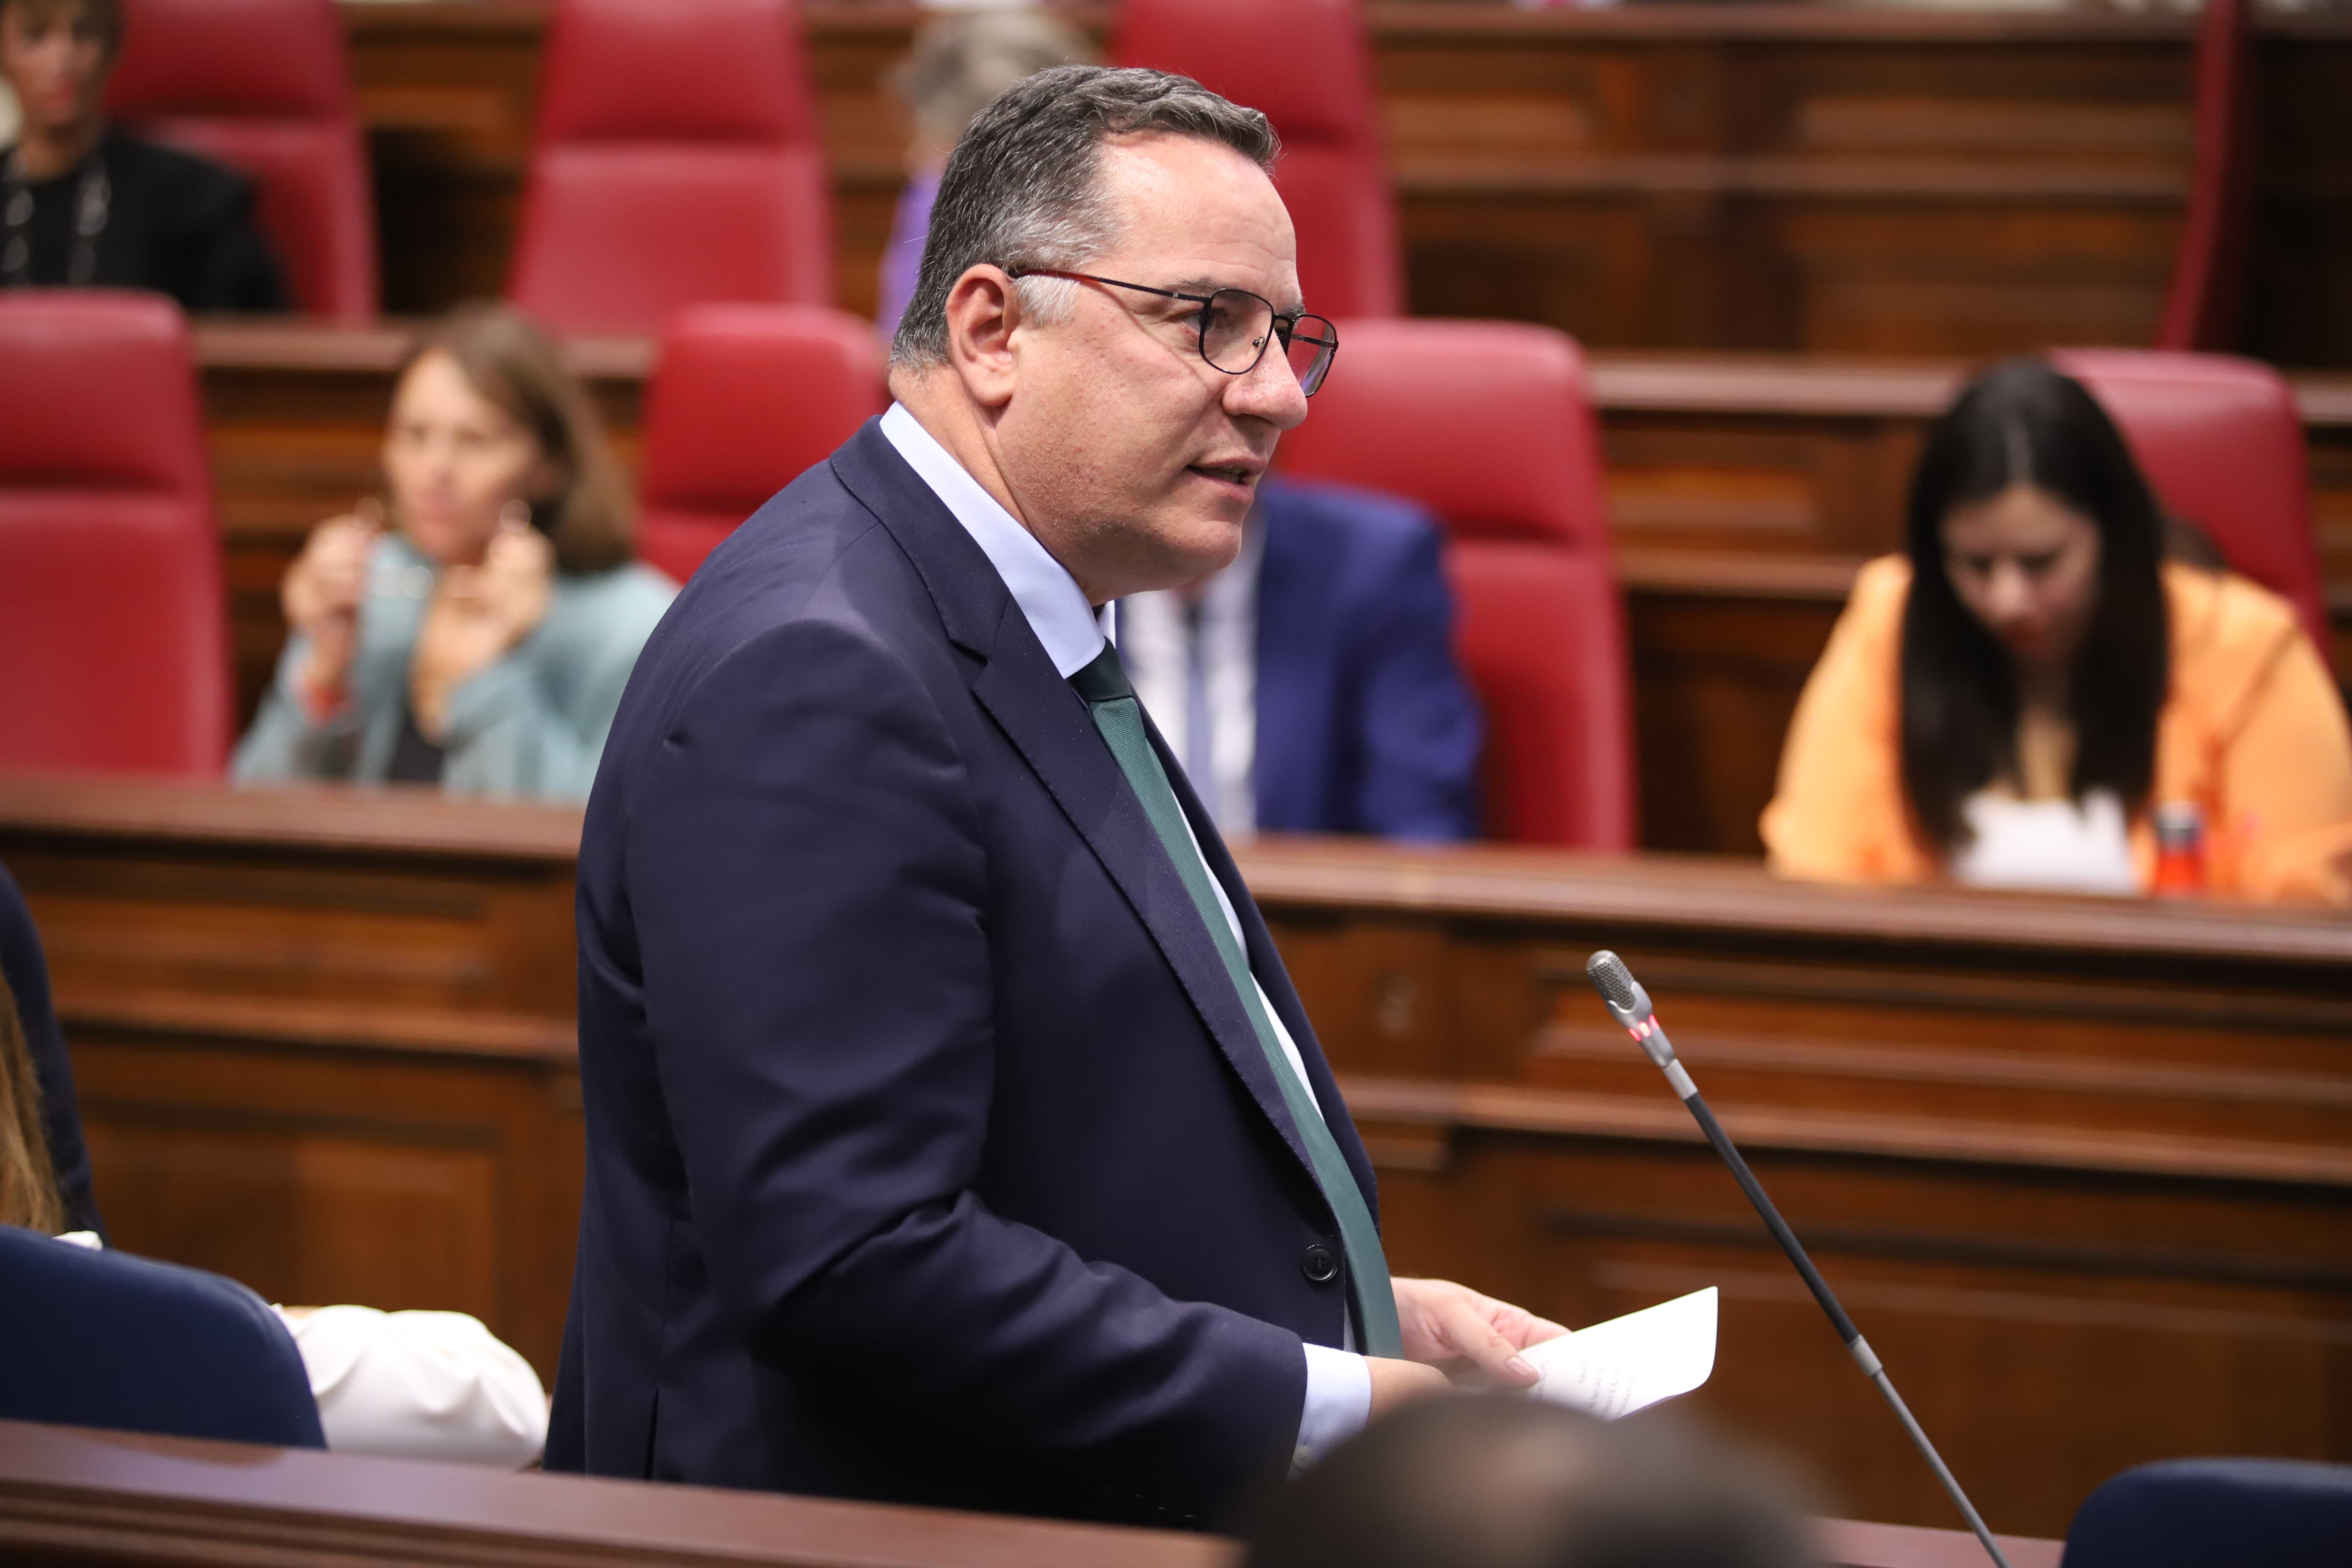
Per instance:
(1629,1005)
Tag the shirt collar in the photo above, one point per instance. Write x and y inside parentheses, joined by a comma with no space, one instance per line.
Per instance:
(1071,629)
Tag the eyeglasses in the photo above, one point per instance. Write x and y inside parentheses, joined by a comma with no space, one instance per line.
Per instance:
(1236,326)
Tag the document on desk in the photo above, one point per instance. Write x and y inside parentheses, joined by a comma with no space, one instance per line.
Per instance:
(1616,1368)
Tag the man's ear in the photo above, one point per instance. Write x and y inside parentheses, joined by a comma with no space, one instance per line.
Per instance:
(983,311)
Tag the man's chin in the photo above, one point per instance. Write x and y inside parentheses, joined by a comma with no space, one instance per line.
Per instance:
(1200,548)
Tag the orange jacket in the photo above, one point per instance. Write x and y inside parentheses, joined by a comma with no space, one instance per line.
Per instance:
(2253,730)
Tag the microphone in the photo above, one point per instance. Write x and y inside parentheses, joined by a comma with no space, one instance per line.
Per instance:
(1629,1005)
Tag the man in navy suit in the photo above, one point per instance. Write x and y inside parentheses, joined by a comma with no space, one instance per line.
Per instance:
(954,1135)
(1310,687)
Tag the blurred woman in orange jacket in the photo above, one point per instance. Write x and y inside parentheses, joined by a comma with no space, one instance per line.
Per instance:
(2012,704)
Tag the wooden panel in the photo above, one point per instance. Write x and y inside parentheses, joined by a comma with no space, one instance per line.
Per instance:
(334,1069)
(120,1500)
(1788,181)
(1744,489)
(2078,1168)
(446,91)
(2081,1168)
(1784,177)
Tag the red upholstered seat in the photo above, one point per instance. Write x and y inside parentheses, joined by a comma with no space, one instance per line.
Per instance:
(265,87)
(677,162)
(1308,65)
(744,399)
(1488,425)
(113,649)
(2221,440)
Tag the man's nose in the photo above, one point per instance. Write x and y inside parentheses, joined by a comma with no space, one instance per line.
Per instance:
(1270,391)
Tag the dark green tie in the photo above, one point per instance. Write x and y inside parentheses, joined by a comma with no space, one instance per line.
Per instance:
(1120,717)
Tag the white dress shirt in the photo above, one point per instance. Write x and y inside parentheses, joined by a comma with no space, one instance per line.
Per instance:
(1193,659)
(1339,1384)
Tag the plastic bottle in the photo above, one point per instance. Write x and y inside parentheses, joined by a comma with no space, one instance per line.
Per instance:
(2179,850)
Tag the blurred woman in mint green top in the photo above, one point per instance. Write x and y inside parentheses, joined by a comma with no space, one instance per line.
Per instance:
(476,632)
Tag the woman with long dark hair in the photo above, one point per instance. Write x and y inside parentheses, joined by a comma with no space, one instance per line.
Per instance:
(2011,701)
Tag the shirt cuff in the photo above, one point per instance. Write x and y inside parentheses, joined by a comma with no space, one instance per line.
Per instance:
(1339,1403)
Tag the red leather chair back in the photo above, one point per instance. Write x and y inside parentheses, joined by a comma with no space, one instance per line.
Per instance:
(1488,425)
(744,399)
(265,87)
(677,162)
(113,646)
(1308,65)
(2206,303)
(2221,440)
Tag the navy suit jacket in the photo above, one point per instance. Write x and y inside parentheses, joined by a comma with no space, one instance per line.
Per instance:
(1364,725)
(931,1157)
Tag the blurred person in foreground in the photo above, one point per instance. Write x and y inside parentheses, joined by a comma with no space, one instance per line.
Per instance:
(955,1135)
(1489,1481)
(476,632)
(959,66)
(2009,704)
(84,203)
(1311,686)
(427,1385)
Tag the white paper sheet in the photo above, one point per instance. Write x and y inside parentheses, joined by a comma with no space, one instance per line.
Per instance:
(1616,1368)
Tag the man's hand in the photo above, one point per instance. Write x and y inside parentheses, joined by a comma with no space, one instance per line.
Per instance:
(1473,1340)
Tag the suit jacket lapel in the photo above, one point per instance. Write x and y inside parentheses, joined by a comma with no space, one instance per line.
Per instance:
(1049,725)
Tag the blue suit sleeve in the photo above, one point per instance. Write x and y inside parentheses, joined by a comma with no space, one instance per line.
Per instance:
(1417,723)
(810,886)
(28,974)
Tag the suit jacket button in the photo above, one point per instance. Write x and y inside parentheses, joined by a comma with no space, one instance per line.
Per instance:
(1321,1265)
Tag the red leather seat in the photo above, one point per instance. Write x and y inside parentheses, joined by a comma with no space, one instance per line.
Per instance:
(1308,65)
(1488,425)
(113,647)
(2221,440)
(744,399)
(265,87)
(677,162)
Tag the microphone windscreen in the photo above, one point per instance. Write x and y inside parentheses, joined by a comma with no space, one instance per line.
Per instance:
(1612,979)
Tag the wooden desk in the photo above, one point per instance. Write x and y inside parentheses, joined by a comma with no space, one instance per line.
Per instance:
(1770,178)
(2083,1170)
(323,1042)
(117,1501)
(1745,489)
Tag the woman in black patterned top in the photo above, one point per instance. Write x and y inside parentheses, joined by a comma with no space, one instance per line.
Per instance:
(85,204)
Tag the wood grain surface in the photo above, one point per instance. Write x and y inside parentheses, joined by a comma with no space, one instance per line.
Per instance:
(120,1500)
(2081,1168)
(1773,176)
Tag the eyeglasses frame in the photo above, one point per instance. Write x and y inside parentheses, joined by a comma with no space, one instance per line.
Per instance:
(1332,341)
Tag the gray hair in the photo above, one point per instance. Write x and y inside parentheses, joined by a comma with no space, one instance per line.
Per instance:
(1020,188)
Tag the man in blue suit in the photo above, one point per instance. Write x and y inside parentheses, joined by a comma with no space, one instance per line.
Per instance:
(1310,687)
(954,1134)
